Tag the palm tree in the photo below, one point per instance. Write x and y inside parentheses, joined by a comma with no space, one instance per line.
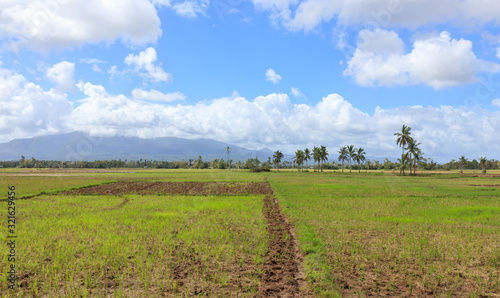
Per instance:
(404,163)
(299,158)
(402,140)
(413,150)
(316,154)
(351,151)
(277,156)
(482,162)
(343,156)
(307,156)
(462,162)
(359,156)
(417,159)
(323,156)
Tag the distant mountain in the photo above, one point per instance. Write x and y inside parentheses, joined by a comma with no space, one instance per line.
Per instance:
(80,146)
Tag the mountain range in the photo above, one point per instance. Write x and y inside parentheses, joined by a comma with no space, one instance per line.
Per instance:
(80,146)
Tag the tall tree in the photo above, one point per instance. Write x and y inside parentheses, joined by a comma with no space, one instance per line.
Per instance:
(417,158)
(323,156)
(228,150)
(299,159)
(351,151)
(404,163)
(462,161)
(343,156)
(359,157)
(316,156)
(402,140)
(413,150)
(277,156)
(307,156)
(482,162)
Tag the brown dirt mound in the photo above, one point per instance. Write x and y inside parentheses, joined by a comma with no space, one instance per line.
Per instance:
(282,274)
(174,188)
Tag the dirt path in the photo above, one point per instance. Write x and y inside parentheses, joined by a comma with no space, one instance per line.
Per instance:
(283,274)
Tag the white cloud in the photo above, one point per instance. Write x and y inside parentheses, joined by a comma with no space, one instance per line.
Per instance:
(496,102)
(191,8)
(45,25)
(62,74)
(272,76)
(155,95)
(27,110)
(437,61)
(498,52)
(309,14)
(145,62)
(273,121)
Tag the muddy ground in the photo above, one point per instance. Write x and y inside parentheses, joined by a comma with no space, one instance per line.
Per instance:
(174,188)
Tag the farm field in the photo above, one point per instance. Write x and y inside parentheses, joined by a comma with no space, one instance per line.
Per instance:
(218,233)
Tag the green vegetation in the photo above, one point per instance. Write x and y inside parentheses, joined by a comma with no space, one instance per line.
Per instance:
(375,233)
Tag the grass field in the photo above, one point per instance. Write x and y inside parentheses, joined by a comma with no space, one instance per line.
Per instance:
(360,234)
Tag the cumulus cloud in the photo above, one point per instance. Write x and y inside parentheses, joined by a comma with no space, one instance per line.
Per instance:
(45,25)
(272,76)
(308,14)
(155,95)
(272,121)
(191,8)
(437,61)
(62,74)
(27,110)
(144,64)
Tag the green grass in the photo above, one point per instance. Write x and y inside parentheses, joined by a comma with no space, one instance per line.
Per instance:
(372,234)
(362,234)
(138,245)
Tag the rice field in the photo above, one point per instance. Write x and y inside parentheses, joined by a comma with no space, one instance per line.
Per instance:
(348,234)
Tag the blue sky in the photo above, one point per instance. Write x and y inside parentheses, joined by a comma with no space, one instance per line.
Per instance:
(280,74)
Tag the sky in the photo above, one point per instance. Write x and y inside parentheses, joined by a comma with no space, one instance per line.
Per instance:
(276,74)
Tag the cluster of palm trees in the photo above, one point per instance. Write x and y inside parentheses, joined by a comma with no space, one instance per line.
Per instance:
(413,154)
(318,154)
(462,161)
(350,154)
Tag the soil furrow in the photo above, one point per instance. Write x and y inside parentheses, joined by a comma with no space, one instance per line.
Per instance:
(283,275)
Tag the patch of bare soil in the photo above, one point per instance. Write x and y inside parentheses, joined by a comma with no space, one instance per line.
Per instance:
(174,188)
(486,185)
(283,275)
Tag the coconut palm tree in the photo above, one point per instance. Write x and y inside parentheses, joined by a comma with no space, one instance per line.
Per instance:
(323,156)
(351,151)
(417,158)
(413,150)
(227,150)
(402,140)
(307,156)
(359,157)
(299,159)
(482,162)
(277,156)
(462,161)
(343,156)
(316,155)
(404,163)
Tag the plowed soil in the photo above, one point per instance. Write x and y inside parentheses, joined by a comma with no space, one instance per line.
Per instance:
(282,274)
(174,188)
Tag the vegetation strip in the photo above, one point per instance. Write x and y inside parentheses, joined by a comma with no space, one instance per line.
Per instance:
(282,273)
